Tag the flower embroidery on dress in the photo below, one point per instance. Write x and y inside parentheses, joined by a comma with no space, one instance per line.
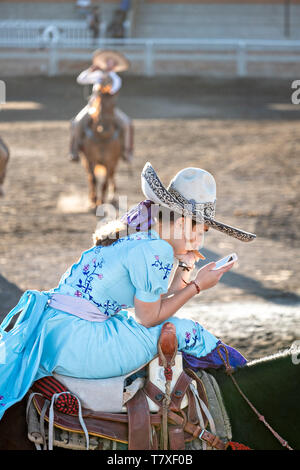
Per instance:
(167,268)
(84,286)
(111,305)
(188,339)
(86,268)
(1,398)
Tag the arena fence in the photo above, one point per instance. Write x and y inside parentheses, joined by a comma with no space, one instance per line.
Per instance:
(72,41)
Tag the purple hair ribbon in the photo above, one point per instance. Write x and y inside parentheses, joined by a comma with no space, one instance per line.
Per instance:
(142,216)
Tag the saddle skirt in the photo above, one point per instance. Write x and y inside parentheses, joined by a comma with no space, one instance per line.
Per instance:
(111,394)
(159,405)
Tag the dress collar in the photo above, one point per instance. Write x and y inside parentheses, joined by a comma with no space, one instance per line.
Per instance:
(154,234)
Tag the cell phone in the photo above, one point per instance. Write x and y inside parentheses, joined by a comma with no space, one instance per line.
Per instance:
(222,263)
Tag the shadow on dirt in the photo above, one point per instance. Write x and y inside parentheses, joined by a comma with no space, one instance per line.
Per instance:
(9,296)
(213,98)
(252,286)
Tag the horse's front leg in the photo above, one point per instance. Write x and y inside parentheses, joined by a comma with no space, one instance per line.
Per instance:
(104,190)
(92,184)
(113,190)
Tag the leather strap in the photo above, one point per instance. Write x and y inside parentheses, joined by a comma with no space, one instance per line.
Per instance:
(192,413)
(179,390)
(153,392)
(176,433)
(197,432)
(200,386)
(139,427)
(176,437)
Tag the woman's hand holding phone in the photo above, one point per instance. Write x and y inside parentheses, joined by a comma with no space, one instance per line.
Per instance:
(225,261)
(208,276)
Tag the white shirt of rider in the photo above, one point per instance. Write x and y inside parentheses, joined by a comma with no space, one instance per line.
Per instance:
(87,77)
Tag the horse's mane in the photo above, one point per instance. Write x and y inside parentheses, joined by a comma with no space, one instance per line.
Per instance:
(286,353)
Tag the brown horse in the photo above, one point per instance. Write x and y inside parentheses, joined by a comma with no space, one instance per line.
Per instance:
(4,157)
(102,144)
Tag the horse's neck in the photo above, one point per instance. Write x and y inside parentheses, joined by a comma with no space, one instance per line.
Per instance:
(102,109)
(272,386)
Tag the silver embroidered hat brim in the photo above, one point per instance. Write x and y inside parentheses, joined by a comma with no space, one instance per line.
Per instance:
(201,212)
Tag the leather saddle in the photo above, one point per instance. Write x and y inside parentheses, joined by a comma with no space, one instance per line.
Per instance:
(164,407)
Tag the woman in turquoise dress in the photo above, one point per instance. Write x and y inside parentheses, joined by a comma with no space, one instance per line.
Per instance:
(82,328)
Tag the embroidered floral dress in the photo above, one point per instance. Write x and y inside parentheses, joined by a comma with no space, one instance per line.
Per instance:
(110,277)
(49,340)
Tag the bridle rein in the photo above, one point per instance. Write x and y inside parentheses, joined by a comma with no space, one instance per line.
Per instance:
(229,371)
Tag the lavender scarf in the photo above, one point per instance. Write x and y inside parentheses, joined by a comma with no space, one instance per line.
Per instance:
(142,216)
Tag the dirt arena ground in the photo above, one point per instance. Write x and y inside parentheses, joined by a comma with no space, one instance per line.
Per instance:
(246,132)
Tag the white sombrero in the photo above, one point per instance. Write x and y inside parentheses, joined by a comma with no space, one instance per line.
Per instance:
(192,192)
(100,57)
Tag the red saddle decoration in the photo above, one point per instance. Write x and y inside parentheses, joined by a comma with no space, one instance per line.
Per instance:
(49,386)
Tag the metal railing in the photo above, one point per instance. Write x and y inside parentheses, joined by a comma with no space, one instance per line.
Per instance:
(72,41)
(18,33)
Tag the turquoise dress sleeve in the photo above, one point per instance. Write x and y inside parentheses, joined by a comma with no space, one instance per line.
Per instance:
(149,265)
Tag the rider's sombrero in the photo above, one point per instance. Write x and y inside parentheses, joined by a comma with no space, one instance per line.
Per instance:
(100,57)
(192,192)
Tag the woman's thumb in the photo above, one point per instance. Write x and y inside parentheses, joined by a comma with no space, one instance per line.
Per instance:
(210,266)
